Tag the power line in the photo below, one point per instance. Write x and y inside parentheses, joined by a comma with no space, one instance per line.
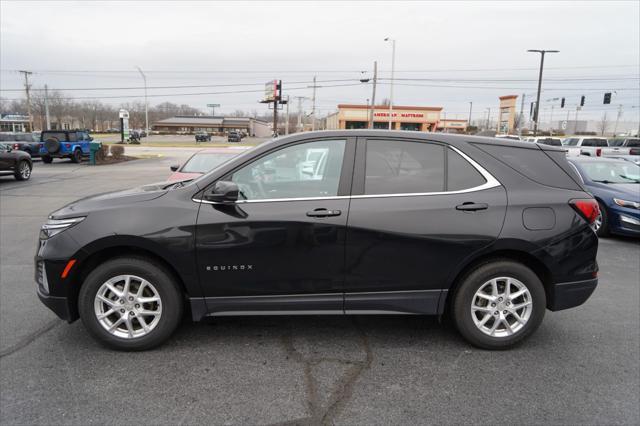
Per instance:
(179,86)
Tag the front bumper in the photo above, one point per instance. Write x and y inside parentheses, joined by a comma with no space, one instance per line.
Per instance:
(624,221)
(59,305)
(571,294)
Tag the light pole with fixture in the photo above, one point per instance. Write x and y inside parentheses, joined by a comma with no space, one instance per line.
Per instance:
(537,110)
(393,69)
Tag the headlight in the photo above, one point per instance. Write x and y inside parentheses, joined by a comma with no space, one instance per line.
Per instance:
(56,226)
(625,203)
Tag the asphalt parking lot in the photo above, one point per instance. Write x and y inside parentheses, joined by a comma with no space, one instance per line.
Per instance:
(581,367)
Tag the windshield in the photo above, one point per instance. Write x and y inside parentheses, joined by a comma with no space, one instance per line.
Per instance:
(205,162)
(612,172)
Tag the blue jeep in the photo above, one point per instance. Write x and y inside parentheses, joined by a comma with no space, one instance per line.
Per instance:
(73,144)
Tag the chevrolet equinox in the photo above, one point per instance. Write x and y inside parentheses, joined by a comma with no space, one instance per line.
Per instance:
(487,231)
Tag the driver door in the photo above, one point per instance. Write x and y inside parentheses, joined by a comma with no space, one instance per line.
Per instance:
(281,246)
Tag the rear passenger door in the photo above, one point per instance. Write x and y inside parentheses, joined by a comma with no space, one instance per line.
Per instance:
(418,209)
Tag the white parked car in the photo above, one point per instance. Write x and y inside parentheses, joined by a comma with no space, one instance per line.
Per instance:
(545,140)
(587,145)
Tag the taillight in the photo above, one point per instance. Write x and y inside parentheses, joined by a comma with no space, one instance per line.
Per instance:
(587,208)
(598,152)
(67,145)
(16,146)
(634,151)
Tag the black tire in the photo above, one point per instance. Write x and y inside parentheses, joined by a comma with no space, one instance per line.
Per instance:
(603,231)
(473,281)
(163,281)
(76,157)
(47,159)
(21,173)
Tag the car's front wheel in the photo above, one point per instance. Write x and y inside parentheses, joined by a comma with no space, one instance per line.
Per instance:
(601,224)
(23,171)
(130,304)
(498,304)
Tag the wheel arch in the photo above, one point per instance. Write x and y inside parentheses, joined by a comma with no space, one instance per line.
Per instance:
(526,258)
(88,262)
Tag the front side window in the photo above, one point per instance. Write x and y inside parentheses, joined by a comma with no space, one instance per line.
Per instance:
(309,169)
(394,167)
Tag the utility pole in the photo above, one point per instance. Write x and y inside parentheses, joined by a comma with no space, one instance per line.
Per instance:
(488,117)
(46,107)
(286,129)
(393,68)
(535,116)
(373,95)
(551,122)
(27,87)
(521,119)
(470,109)
(615,128)
(313,108)
(146,102)
(299,126)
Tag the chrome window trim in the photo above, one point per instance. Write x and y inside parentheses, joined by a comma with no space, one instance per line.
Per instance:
(491,182)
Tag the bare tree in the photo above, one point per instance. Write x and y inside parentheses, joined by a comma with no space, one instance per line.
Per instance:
(603,124)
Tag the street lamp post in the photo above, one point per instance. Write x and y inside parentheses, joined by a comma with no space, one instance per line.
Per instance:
(393,69)
(146,103)
(535,115)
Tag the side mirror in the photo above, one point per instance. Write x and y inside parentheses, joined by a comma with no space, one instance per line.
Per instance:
(175,167)
(222,192)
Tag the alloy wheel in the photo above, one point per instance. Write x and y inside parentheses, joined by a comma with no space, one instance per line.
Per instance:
(128,306)
(501,307)
(598,222)
(25,170)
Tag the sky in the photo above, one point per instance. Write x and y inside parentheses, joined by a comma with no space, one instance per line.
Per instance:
(447,53)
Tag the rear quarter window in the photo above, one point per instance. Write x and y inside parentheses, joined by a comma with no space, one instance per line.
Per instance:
(546,168)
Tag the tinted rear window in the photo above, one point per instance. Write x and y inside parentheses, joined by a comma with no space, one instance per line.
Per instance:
(594,142)
(461,174)
(535,164)
(635,143)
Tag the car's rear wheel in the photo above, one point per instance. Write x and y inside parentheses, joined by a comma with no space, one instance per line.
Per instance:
(23,171)
(498,304)
(47,159)
(601,224)
(76,157)
(130,304)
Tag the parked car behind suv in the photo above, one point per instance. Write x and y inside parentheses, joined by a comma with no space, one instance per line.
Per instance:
(73,144)
(492,232)
(27,142)
(14,162)
(615,184)
(590,145)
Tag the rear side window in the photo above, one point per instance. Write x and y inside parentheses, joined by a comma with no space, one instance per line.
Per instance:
(535,164)
(461,174)
(394,167)
(635,143)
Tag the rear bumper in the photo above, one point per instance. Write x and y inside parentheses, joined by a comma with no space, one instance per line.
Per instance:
(571,294)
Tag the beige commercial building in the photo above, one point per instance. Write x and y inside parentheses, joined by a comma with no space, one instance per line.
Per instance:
(424,119)
(507,114)
(448,125)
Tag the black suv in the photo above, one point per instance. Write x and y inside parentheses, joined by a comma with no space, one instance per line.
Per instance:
(340,222)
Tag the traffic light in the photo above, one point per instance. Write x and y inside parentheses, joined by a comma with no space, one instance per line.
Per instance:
(607,98)
(562,103)
(582,101)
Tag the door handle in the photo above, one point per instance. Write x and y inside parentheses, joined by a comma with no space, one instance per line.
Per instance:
(323,213)
(472,207)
